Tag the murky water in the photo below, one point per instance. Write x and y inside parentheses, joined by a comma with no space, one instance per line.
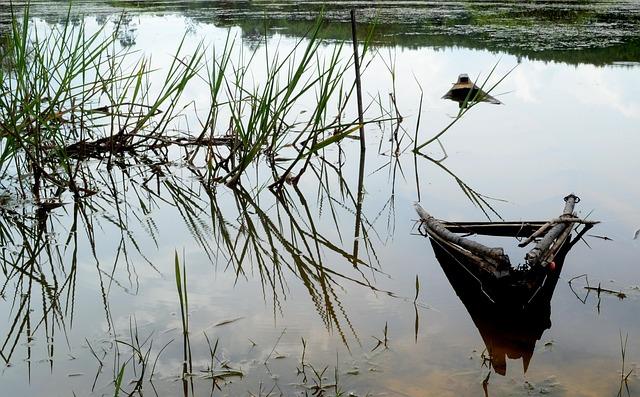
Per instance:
(309,322)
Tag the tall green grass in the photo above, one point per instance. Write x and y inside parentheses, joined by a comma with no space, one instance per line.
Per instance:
(69,95)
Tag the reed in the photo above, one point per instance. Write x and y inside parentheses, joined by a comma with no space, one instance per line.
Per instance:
(181,286)
(624,372)
(70,95)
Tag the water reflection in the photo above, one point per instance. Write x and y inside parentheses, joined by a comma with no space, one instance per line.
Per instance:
(262,254)
(593,32)
(271,236)
(123,172)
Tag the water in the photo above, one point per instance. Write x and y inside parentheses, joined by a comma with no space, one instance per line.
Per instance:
(566,126)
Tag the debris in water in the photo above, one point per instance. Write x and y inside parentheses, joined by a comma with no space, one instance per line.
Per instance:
(605,238)
(621,295)
(465,91)
(225,322)
(510,305)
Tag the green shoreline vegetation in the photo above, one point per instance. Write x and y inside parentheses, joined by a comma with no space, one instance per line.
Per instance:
(593,32)
(92,128)
(78,114)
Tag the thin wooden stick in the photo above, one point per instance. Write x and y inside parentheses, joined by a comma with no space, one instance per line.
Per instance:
(356,62)
(599,289)
(562,219)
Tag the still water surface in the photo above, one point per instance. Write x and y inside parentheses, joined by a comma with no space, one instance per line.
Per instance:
(563,128)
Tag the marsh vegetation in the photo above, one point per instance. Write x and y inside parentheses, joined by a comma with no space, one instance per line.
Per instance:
(201,207)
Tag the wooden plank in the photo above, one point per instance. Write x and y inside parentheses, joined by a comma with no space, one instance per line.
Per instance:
(533,229)
(504,229)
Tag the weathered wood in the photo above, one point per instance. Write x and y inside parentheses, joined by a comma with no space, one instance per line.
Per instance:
(537,256)
(552,235)
(599,289)
(435,227)
(488,266)
(550,255)
(520,287)
(507,228)
(544,227)
(510,229)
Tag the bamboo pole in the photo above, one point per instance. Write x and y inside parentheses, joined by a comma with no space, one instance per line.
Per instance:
(356,63)
(537,255)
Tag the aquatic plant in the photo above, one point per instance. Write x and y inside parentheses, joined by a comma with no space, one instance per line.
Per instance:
(91,133)
(71,96)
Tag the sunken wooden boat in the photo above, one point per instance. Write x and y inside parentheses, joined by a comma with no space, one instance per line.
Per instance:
(464,91)
(498,279)
(509,305)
